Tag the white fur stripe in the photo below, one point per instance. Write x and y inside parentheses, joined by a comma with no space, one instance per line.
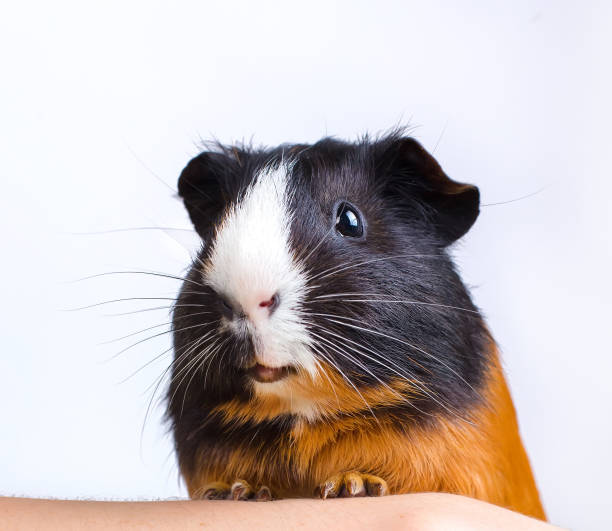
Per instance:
(251,260)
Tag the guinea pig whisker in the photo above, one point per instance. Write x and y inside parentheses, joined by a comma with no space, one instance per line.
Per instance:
(195,365)
(399,301)
(128,299)
(316,246)
(151,273)
(181,353)
(223,343)
(412,379)
(184,351)
(431,356)
(187,350)
(342,267)
(116,340)
(187,366)
(149,363)
(349,381)
(207,360)
(125,299)
(199,325)
(321,370)
(184,370)
(168,323)
(346,354)
(127,229)
(152,360)
(157,308)
(157,382)
(329,315)
(340,349)
(197,292)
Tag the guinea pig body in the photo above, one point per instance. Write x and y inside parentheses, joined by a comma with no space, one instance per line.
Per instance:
(324,342)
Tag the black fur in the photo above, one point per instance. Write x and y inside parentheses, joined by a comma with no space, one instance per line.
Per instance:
(412,212)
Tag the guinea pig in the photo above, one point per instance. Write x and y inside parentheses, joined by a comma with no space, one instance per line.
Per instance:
(324,344)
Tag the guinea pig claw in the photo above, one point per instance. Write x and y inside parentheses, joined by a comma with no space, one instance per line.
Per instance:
(241,490)
(352,484)
(376,486)
(263,494)
(215,491)
(331,488)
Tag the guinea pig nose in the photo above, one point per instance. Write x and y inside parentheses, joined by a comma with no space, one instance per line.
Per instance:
(271,304)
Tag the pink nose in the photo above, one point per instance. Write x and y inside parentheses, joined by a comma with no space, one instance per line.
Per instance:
(271,304)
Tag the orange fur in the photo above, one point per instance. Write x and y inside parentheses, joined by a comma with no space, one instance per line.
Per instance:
(483,458)
(330,396)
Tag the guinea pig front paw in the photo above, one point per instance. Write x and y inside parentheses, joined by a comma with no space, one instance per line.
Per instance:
(352,484)
(240,490)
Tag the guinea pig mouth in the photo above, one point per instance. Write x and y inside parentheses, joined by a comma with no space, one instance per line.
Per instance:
(262,373)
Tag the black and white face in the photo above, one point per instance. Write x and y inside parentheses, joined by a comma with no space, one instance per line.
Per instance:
(254,269)
(320,264)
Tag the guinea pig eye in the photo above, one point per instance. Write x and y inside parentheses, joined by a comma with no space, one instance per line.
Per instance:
(348,221)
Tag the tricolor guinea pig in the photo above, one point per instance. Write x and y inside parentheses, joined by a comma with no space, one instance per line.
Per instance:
(324,342)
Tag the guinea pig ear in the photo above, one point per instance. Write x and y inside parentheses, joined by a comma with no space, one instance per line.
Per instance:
(203,187)
(414,174)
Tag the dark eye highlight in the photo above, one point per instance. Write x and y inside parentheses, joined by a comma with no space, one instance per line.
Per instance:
(348,221)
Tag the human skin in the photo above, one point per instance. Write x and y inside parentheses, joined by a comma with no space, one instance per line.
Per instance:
(428,511)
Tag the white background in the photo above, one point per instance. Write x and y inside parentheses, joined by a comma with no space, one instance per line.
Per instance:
(101,102)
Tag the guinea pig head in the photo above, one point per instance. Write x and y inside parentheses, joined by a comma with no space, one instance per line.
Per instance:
(324,281)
